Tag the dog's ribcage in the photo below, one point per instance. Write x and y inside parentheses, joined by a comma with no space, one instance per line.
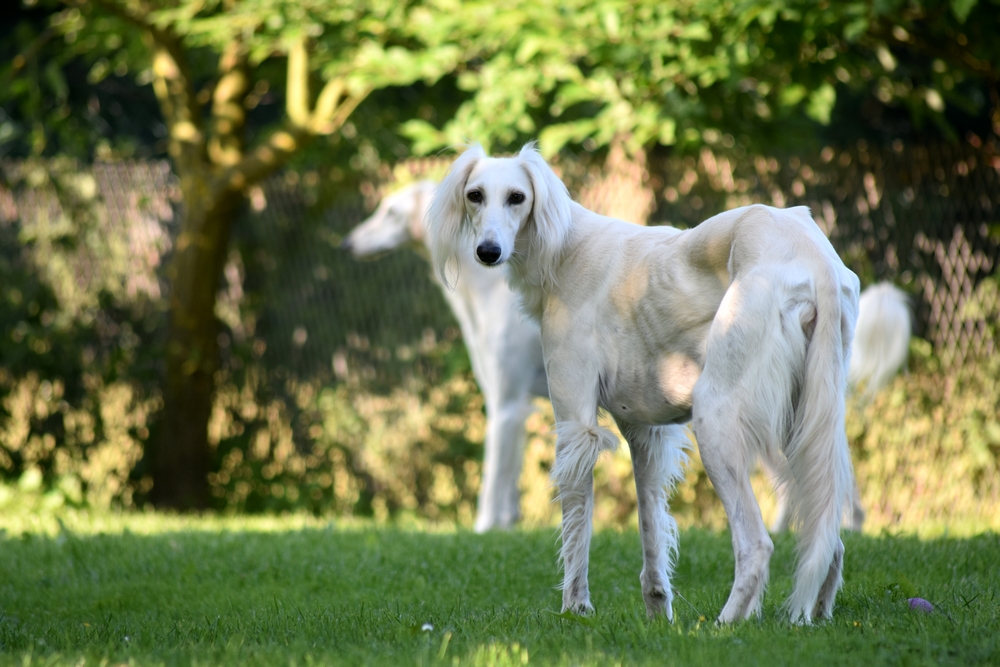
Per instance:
(651,342)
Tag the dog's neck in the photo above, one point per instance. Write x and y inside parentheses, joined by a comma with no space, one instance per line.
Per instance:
(525,279)
(531,276)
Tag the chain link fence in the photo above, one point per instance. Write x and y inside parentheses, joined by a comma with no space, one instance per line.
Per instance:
(924,217)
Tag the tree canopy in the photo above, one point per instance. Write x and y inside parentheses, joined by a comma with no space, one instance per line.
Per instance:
(765,73)
(566,72)
(209,63)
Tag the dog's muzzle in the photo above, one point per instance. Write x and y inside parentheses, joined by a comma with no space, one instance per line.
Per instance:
(488,253)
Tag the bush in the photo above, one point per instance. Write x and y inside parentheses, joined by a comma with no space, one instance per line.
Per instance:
(926,451)
(927,448)
(78,309)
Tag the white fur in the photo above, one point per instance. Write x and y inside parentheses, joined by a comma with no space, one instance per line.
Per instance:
(742,325)
(881,338)
(505,348)
(881,346)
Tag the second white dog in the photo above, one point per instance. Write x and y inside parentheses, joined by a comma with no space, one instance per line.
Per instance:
(505,348)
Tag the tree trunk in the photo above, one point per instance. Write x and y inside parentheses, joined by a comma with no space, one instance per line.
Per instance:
(181,454)
(213,171)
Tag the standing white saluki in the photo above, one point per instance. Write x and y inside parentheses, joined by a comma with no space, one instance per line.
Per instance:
(505,348)
(742,325)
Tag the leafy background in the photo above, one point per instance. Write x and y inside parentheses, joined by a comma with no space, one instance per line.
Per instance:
(344,387)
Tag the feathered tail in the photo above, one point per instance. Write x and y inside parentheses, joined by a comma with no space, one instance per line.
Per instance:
(818,456)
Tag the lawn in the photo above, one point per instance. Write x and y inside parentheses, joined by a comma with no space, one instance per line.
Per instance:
(147,590)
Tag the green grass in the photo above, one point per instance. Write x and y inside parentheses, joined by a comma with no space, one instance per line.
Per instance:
(146,589)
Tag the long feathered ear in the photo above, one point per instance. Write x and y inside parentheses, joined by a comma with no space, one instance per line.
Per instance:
(446,216)
(551,213)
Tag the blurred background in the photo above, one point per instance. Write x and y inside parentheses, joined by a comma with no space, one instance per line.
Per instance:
(179,328)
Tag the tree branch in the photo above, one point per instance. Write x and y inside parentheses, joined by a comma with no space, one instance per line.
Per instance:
(265,159)
(333,107)
(172,82)
(226,144)
(326,103)
(297,88)
(341,114)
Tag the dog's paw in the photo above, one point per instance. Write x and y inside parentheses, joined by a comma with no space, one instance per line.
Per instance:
(578,607)
(659,603)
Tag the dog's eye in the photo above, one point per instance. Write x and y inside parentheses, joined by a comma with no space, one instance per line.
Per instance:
(475,196)
(515,198)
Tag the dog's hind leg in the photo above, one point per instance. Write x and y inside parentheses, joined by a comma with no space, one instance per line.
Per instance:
(722,448)
(741,412)
(834,580)
(657,459)
(783,513)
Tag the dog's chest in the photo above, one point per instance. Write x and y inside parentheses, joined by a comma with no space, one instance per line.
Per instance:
(655,347)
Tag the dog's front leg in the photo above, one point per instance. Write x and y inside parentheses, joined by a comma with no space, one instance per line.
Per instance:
(499,497)
(577,449)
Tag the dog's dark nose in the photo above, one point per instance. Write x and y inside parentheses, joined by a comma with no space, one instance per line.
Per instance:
(488,253)
(347,245)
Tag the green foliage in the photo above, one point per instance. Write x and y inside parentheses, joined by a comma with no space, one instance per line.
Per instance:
(151,589)
(79,349)
(364,45)
(73,88)
(588,71)
(927,448)
(577,72)
(372,44)
(412,451)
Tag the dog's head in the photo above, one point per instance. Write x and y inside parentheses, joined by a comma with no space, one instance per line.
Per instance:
(496,207)
(398,219)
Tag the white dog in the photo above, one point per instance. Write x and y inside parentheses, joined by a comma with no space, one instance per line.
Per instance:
(509,374)
(505,348)
(742,325)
